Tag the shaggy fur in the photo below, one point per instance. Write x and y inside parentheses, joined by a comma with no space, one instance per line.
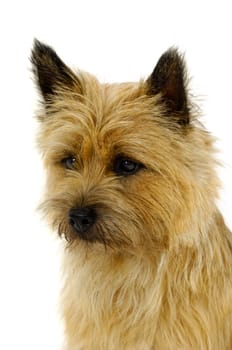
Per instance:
(155,270)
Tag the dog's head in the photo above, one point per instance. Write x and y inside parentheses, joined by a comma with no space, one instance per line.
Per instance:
(127,166)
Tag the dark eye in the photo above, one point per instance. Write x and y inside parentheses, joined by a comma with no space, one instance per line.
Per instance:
(69,162)
(124,166)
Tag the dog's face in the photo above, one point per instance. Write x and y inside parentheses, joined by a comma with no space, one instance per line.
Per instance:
(122,160)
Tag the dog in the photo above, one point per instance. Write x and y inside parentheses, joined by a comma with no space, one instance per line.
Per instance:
(132,189)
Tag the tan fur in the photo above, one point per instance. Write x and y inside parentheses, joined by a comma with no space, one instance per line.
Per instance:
(162,278)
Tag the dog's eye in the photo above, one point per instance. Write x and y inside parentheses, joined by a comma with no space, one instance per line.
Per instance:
(68,162)
(126,167)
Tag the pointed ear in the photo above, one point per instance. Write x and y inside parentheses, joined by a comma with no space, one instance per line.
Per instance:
(50,72)
(169,79)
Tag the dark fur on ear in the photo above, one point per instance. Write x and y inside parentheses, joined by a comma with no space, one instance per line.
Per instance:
(169,79)
(50,71)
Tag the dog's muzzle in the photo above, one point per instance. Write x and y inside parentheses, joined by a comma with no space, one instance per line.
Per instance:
(82,219)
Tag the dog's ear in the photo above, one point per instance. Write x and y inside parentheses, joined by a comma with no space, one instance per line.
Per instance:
(169,79)
(50,71)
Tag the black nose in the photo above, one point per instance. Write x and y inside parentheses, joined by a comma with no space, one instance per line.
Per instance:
(82,219)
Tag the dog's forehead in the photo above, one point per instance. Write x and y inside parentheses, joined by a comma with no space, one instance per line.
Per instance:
(118,93)
(118,106)
(118,116)
(103,104)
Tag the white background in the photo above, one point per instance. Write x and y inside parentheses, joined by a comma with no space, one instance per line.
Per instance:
(117,41)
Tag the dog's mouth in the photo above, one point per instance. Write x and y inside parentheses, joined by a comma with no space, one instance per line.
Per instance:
(73,230)
(91,224)
(67,230)
(89,235)
(102,231)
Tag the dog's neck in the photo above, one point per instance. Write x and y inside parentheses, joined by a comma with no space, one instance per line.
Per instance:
(98,282)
